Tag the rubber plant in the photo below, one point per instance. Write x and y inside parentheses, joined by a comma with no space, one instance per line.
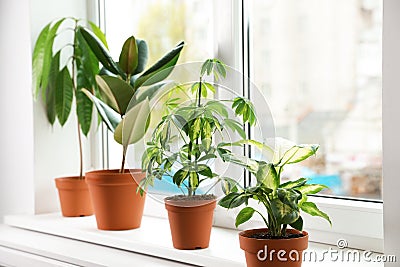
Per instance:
(280,203)
(63,64)
(193,125)
(125,89)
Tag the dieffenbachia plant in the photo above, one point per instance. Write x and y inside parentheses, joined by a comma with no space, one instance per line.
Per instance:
(193,125)
(282,201)
(59,76)
(126,89)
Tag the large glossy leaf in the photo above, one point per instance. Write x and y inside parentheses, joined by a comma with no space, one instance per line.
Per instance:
(96,30)
(289,197)
(48,54)
(161,69)
(51,89)
(294,184)
(107,114)
(37,60)
(298,153)
(147,92)
(233,200)
(180,176)
(313,210)
(311,188)
(84,108)
(101,52)
(298,225)
(143,55)
(266,175)
(128,59)
(244,215)
(87,64)
(283,212)
(117,92)
(64,95)
(133,126)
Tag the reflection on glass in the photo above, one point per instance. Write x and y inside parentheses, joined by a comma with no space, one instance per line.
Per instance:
(318,63)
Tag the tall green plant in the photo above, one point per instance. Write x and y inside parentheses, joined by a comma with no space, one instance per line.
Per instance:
(126,87)
(282,202)
(59,80)
(195,124)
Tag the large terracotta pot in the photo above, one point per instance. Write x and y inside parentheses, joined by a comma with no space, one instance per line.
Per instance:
(190,223)
(74,197)
(116,203)
(258,251)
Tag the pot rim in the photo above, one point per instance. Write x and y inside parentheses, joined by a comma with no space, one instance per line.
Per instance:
(114,177)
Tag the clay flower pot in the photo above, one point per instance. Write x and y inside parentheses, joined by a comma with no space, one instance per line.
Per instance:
(190,222)
(74,197)
(116,204)
(273,252)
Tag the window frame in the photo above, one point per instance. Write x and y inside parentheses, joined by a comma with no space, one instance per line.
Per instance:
(232,33)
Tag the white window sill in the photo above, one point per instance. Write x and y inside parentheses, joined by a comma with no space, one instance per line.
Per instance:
(152,239)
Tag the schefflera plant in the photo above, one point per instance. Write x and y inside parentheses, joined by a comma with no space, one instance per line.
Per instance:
(59,76)
(282,202)
(194,123)
(126,89)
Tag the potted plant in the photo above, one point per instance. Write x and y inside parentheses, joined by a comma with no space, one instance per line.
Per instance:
(126,90)
(60,83)
(180,149)
(279,206)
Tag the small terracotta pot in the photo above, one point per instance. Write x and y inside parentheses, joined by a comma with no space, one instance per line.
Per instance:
(265,252)
(116,204)
(190,223)
(74,197)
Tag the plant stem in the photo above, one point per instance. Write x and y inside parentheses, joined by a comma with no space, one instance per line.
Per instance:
(123,160)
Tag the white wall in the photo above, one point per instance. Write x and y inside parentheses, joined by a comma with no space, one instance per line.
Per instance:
(391,126)
(16,119)
(56,150)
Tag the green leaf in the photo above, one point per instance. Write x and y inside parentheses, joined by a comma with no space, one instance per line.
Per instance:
(283,212)
(147,92)
(206,67)
(128,59)
(266,175)
(194,180)
(96,30)
(313,210)
(161,69)
(294,184)
(64,95)
(195,129)
(298,225)
(117,93)
(101,52)
(38,59)
(180,176)
(51,89)
(298,153)
(229,185)
(207,157)
(205,170)
(308,189)
(48,53)
(289,197)
(217,107)
(245,108)
(108,115)
(210,87)
(235,127)
(143,55)
(84,108)
(232,200)
(133,126)
(244,215)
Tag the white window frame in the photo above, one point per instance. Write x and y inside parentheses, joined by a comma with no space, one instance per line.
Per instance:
(359,222)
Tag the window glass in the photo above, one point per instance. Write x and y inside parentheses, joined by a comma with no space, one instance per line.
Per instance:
(163,24)
(319,65)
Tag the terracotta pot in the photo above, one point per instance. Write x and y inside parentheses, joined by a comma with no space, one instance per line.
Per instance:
(116,204)
(190,223)
(258,251)
(74,197)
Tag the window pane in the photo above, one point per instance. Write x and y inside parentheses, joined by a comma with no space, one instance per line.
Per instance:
(318,64)
(163,24)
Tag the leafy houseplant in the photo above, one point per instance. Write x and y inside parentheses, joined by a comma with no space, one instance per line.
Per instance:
(281,204)
(59,82)
(125,90)
(193,126)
